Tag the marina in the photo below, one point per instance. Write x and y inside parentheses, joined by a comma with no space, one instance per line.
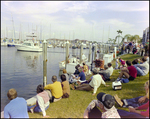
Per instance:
(24,70)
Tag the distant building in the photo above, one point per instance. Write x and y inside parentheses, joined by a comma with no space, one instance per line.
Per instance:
(145,35)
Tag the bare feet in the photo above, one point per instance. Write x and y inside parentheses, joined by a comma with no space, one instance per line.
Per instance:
(78,82)
(72,86)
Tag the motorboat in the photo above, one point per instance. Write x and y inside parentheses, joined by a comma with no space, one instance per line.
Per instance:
(30,45)
(49,46)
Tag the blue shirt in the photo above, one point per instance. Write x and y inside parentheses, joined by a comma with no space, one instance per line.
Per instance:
(16,108)
(82,76)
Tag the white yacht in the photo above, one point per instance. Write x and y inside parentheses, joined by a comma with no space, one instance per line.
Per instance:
(30,45)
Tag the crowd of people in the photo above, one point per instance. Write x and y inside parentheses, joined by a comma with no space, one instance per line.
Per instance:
(17,107)
(135,48)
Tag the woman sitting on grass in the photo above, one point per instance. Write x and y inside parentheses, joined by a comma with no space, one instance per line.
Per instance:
(65,86)
(135,104)
(106,103)
(42,102)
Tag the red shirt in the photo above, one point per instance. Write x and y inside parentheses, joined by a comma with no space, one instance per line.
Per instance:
(132,71)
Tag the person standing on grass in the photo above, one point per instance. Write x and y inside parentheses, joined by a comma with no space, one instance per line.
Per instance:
(142,68)
(55,88)
(93,85)
(42,102)
(106,103)
(65,86)
(17,107)
(129,72)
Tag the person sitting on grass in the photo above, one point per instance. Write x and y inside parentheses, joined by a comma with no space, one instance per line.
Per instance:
(106,103)
(143,68)
(137,104)
(17,107)
(81,78)
(55,88)
(110,68)
(147,57)
(117,63)
(105,73)
(65,86)
(93,85)
(129,72)
(134,102)
(42,102)
(123,63)
(85,69)
(65,73)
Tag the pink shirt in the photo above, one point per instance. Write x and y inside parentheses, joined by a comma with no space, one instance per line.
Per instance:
(145,106)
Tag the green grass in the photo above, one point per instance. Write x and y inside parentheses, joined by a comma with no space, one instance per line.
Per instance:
(74,106)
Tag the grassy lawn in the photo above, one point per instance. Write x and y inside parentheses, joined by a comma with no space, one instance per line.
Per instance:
(74,106)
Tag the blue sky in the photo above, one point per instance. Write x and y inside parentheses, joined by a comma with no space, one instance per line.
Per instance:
(84,20)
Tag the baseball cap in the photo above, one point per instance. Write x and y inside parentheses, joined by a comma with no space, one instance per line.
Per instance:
(107,100)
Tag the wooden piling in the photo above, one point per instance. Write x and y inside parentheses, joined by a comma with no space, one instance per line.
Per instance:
(81,51)
(67,54)
(90,48)
(44,63)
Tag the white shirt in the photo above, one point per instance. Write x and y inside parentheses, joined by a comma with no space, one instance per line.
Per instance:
(42,105)
(111,70)
(96,82)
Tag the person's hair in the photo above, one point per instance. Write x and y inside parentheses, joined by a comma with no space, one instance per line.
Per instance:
(105,66)
(64,71)
(128,63)
(109,64)
(95,71)
(63,77)
(78,65)
(80,69)
(144,59)
(11,94)
(147,84)
(119,58)
(135,61)
(54,78)
(83,63)
(39,88)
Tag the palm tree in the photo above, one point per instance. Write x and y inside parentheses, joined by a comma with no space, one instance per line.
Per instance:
(119,32)
(127,36)
(136,38)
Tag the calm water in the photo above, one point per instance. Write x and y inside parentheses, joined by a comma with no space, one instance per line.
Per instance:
(24,70)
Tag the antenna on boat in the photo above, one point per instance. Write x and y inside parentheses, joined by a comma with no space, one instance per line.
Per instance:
(13,27)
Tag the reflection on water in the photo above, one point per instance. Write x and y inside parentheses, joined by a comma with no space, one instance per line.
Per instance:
(31,58)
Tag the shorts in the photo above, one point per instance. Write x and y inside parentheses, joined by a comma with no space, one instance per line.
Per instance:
(131,78)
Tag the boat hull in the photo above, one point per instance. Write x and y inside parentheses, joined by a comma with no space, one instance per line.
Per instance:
(29,48)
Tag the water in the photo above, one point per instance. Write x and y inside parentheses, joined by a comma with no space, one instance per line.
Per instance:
(24,70)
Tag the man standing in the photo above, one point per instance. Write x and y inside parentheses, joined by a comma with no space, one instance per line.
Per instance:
(55,89)
(17,107)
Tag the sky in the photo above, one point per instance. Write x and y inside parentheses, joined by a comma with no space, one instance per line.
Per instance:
(83,20)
